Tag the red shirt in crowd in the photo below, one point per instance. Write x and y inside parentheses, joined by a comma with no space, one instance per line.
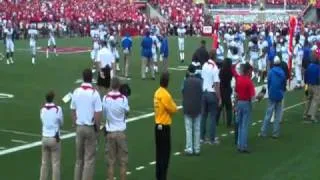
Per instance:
(244,87)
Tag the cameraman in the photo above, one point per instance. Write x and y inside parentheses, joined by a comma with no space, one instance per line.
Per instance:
(116,108)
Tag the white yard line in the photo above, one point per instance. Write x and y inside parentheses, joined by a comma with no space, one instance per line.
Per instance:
(18,141)
(20,133)
(65,136)
(71,135)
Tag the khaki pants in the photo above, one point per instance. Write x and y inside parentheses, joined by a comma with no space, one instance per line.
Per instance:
(126,65)
(165,65)
(50,152)
(312,101)
(146,63)
(86,142)
(116,148)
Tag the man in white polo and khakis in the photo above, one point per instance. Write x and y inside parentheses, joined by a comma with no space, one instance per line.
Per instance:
(86,111)
(115,108)
(52,119)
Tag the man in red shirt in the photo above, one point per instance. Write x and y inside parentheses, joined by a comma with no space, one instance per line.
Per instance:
(245,91)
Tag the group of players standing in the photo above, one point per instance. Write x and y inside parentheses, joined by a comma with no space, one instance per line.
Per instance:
(264,45)
(9,37)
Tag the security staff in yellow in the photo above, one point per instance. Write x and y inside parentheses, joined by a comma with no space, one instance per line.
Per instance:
(164,107)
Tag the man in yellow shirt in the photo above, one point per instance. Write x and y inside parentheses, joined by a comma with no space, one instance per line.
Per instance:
(164,107)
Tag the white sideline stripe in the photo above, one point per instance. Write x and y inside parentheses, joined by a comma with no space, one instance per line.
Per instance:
(152,163)
(70,135)
(224,135)
(18,141)
(139,168)
(19,132)
(65,136)
(138,112)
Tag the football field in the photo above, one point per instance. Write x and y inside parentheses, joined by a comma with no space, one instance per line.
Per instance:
(294,156)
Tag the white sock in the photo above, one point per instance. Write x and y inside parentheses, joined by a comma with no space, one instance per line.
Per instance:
(8,62)
(11,59)
(47,53)
(33,60)
(182,55)
(55,51)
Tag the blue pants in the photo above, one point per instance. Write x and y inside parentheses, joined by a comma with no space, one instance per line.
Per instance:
(243,119)
(209,108)
(273,107)
(192,130)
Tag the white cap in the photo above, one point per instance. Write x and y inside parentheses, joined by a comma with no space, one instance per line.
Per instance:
(276,60)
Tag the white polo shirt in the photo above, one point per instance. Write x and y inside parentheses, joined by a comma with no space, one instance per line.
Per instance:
(52,119)
(210,76)
(85,101)
(105,57)
(115,107)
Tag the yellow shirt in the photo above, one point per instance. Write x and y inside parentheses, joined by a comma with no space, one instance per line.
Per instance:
(164,106)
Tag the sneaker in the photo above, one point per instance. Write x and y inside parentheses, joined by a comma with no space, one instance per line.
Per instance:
(315,121)
(307,121)
(187,153)
(262,136)
(275,137)
(201,141)
(215,142)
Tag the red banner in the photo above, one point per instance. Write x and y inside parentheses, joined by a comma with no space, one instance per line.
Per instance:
(292,26)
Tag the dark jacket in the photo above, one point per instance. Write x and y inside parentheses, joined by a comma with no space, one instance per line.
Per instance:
(312,74)
(225,75)
(201,55)
(276,83)
(191,96)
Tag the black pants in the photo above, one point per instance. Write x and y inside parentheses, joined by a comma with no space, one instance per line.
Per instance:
(227,104)
(163,149)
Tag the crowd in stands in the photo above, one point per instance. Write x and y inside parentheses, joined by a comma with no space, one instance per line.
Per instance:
(180,10)
(72,10)
(292,2)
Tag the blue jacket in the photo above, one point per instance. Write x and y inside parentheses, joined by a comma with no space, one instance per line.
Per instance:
(272,54)
(126,43)
(312,74)
(276,83)
(146,47)
(164,49)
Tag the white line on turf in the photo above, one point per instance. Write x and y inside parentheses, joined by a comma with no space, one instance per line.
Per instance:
(260,121)
(152,163)
(128,172)
(139,168)
(70,135)
(65,136)
(224,135)
(20,132)
(18,141)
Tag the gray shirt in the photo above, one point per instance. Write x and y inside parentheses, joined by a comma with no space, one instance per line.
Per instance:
(192,95)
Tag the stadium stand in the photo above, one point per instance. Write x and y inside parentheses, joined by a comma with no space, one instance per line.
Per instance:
(73,10)
(180,10)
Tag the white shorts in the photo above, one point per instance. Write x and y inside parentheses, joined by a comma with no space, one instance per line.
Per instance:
(33,49)
(181,44)
(94,54)
(155,57)
(262,64)
(9,46)
(51,42)
(115,53)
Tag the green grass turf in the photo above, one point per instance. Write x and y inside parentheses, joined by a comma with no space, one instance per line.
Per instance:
(293,156)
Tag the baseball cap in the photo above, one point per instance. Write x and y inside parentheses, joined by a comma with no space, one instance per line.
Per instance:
(276,60)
